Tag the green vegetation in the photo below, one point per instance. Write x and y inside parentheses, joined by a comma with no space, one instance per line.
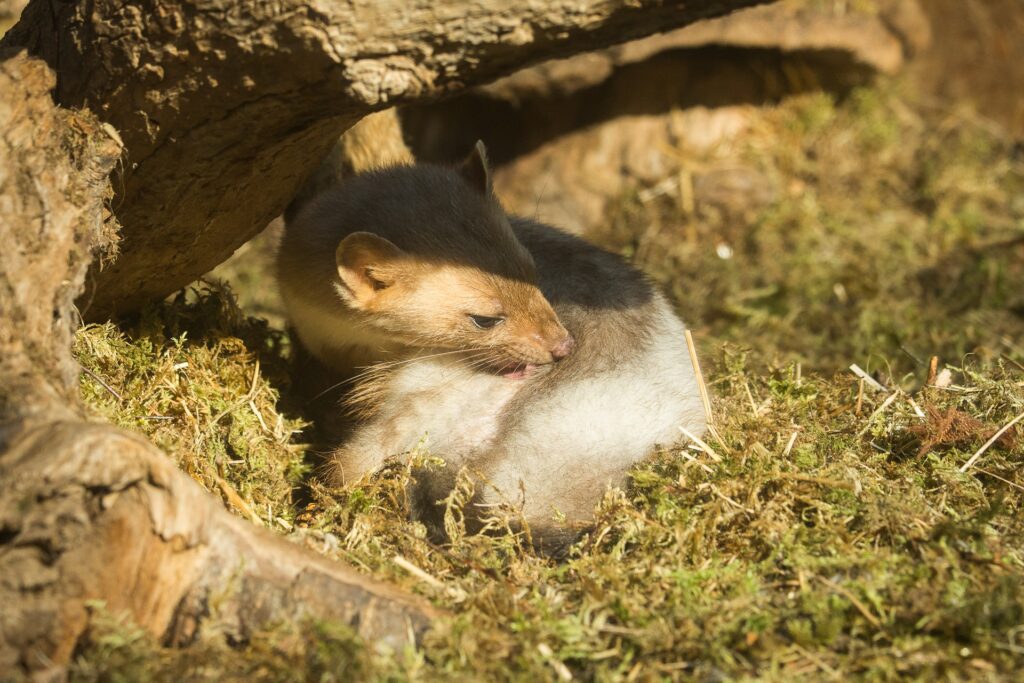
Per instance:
(894,234)
(201,380)
(830,535)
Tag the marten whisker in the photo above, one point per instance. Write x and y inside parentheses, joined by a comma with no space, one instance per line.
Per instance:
(481,363)
(367,381)
(391,364)
(330,388)
(487,360)
(382,368)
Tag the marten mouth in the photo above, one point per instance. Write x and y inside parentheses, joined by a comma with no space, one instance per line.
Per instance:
(516,370)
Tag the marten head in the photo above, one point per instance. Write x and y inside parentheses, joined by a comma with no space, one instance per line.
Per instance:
(436,264)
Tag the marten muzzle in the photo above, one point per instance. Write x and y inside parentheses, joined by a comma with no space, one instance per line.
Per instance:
(563,348)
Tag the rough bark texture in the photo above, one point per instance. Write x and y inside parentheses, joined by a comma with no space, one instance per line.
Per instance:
(876,42)
(87,511)
(51,204)
(98,514)
(226,107)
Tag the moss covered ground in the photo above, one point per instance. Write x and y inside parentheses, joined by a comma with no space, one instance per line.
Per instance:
(826,531)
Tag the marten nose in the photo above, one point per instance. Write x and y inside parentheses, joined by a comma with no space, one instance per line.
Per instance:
(563,348)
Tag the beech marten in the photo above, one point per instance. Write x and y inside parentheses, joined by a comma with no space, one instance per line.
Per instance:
(544,365)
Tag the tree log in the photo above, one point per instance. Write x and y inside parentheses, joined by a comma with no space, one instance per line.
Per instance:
(90,512)
(226,107)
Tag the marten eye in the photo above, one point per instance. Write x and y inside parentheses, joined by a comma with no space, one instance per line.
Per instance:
(485,322)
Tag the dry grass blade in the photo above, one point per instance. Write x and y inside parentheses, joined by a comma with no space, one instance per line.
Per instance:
(879,410)
(789,444)
(1012,362)
(868,379)
(99,380)
(696,461)
(917,409)
(700,442)
(988,444)
(854,600)
(700,377)
(237,501)
(821,481)
(417,572)
(1002,479)
(821,664)
(730,501)
(451,591)
(253,388)
(560,668)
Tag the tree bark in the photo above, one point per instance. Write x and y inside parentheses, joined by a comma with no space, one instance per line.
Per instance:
(92,513)
(87,511)
(226,107)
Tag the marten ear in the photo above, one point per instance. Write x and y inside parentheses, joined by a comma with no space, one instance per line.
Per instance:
(475,170)
(367,265)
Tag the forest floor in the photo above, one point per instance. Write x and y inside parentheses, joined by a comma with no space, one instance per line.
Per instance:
(830,528)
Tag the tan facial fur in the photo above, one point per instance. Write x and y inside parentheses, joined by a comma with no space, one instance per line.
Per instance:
(411,259)
(500,321)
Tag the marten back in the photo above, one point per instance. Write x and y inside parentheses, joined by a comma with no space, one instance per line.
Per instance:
(428,211)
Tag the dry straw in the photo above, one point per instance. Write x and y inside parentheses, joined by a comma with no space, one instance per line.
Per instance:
(700,377)
(995,437)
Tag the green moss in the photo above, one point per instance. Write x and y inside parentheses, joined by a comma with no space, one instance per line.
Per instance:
(896,234)
(203,383)
(836,537)
(118,651)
